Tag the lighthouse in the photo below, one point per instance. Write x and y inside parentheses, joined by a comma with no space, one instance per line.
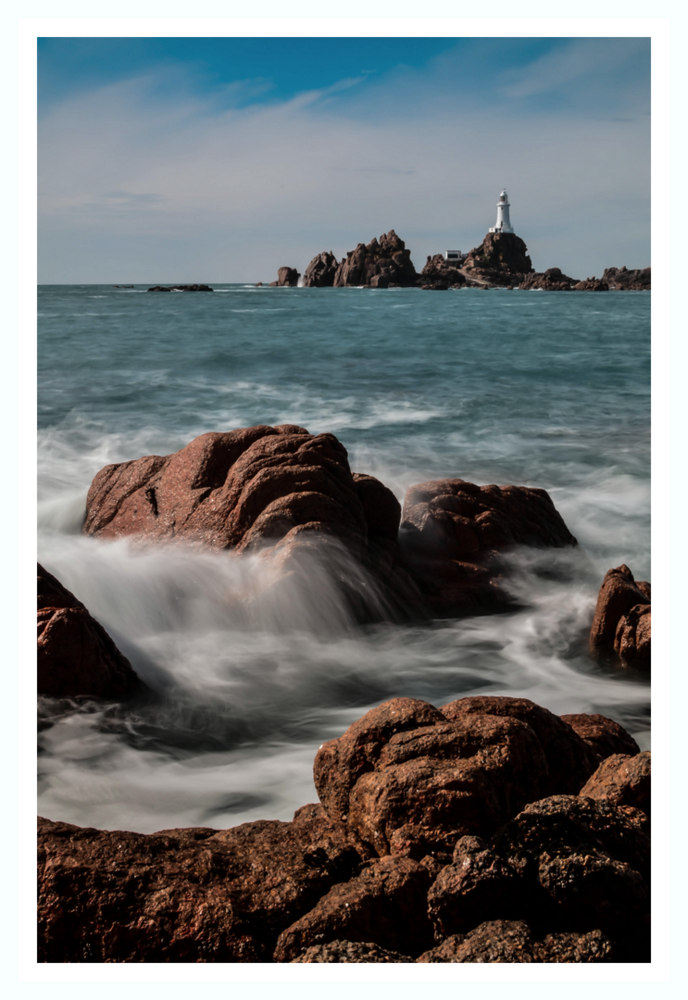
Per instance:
(503,223)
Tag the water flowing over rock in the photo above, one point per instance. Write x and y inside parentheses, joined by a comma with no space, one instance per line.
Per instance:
(622,623)
(501,259)
(321,271)
(378,264)
(452,532)
(76,656)
(560,878)
(258,488)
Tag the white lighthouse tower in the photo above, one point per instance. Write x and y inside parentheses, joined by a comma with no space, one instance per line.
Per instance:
(503,223)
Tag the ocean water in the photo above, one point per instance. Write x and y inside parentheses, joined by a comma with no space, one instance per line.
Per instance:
(534,388)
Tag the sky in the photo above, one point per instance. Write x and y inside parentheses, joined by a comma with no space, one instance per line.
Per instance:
(222,159)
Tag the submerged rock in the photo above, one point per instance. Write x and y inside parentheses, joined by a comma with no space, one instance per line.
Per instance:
(76,656)
(180,288)
(622,622)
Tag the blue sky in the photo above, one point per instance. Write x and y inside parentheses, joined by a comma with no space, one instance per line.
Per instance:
(222,159)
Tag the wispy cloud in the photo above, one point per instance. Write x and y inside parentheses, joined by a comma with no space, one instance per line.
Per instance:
(145,183)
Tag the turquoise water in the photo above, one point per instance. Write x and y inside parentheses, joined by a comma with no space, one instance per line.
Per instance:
(535,388)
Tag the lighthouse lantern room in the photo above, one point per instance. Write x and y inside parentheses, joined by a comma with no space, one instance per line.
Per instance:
(503,223)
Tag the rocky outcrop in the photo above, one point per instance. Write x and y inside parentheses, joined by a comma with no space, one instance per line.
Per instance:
(604,736)
(621,626)
(501,259)
(287,277)
(321,271)
(256,489)
(433,843)
(439,274)
(590,285)
(453,531)
(76,656)
(180,288)
(379,264)
(551,280)
(621,279)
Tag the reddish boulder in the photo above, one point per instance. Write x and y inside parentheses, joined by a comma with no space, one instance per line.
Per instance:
(350,951)
(385,904)
(478,885)
(604,736)
(452,532)
(591,285)
(622,780)
(194,895)
(513,941)
(585,865)
(76,656)
(379,264)
(321,271)
(621,625)
(409,779)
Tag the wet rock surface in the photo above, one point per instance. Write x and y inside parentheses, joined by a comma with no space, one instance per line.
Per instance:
(76,657)
(621,627)
(453,531)
(389,868)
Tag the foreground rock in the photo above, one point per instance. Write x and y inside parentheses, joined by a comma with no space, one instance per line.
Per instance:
(76,656)
(180,288)
(501,259)
(379,264)
(434,843)
(622,626)
(551,280)
(454,531)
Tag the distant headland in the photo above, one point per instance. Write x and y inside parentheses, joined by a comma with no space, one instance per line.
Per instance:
(500,261)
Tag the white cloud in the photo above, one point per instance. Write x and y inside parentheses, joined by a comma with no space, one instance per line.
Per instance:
(144,189)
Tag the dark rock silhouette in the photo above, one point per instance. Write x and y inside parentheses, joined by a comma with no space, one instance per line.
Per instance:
(321,271)
(378,264)
(441,274)
(287,277)
(621,279)
(180,288)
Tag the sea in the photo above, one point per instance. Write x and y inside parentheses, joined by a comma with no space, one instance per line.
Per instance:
(546,389)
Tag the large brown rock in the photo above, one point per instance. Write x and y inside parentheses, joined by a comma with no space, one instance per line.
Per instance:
(585,865)
(76,656)
(622,780)
(257,488)
(604,736)
(194,895)
(513,941)
(409,779)
(287,277)
(501,259)
(350,951)
(321,271)
(385,904)
(378,264)
(621,626)
(452,532)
